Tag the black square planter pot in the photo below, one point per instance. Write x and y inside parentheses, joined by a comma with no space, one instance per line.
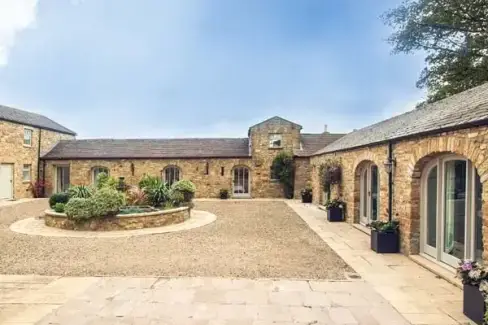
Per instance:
(385,242)
(473,303)
(306,198)
(335,214)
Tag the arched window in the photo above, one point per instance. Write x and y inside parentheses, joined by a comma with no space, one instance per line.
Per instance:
(98,170)
(451,216)
(241,182)
(171,174)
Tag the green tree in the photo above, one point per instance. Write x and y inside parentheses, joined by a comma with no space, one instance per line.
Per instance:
(453,34)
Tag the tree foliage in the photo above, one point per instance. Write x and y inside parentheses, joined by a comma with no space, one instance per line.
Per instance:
(453,34)
(283,168)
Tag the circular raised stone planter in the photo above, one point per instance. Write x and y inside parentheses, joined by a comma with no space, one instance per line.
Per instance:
(119,222)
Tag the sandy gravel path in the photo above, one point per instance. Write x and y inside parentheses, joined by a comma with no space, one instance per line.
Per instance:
(253,239)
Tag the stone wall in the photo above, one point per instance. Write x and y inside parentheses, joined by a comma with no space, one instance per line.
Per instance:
(208,185)
(302,175)
(13,151)
(263,155)
(120,222)
(411,156)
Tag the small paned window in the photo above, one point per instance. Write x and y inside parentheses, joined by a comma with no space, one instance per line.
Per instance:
(275,140)
(98,170)
(26,173)
(27,137)
(171,174)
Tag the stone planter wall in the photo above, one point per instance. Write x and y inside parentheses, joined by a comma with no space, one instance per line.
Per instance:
(119,222)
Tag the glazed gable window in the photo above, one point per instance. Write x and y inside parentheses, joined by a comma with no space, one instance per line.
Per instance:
(275,140)
(27,137)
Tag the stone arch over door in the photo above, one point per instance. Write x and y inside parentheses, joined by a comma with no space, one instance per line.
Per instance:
(361,169)
(420,162)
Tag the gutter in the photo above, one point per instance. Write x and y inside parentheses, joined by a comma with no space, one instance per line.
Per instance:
(39,126)
(144,158)
(390,170)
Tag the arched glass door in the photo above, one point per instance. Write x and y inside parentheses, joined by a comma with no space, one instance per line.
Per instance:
(369,194)
(451,227)
(240,183)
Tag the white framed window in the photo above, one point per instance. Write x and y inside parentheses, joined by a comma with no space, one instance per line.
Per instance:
(96,171)
(275,140)
(171,174)
(28,137)
(26,173)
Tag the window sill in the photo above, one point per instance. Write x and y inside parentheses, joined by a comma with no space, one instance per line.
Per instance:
(27,145)
(275,148)
(26,182)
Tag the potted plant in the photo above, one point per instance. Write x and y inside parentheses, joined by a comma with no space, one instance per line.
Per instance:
(335,210)
(475,288)
(306,194)
(224,194)
(385,237)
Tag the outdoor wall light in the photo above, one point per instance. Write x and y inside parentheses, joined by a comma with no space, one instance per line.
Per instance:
(390,165)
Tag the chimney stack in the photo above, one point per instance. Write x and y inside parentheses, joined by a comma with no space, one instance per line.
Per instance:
(325,128)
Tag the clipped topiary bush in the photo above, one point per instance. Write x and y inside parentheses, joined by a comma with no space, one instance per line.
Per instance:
(80,191)
(58,198)
(107,202)
(59,207)
(79,209)
(176,197)
(186,188)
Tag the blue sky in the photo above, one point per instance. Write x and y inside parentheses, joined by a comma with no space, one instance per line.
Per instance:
(193,68)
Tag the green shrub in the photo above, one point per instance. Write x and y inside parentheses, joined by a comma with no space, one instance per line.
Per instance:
(184,186)
(59,207)
(103,180)
(107,202)
(149,181)
(58,198)
(79,209)
(80,191)
(176,197)
(283,168)
(157,194)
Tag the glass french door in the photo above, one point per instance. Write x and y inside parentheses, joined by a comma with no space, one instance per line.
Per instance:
(369,194)
(451,227)
(62,178)
(240,183)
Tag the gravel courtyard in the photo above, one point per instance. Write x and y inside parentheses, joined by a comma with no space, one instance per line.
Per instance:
(253,239)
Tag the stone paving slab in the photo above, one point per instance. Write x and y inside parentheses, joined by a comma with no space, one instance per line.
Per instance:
(151,300)
(416,293)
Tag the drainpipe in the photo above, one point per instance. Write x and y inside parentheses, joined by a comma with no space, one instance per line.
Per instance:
(39,156)
(390,166)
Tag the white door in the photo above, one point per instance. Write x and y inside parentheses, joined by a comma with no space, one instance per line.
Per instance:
(6,181)
(240,185)
(369,194)
(451,213)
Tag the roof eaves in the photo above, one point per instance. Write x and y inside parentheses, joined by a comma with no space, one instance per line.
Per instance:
(67,131)
(414,135)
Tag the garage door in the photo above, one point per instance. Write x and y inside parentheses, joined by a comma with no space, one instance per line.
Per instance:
(6,181)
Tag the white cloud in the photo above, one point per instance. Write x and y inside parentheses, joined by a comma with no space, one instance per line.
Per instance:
(15,15)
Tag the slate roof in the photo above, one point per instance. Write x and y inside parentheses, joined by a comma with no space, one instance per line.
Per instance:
(31,119)
(149,148)
(311,142)
(461,110)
